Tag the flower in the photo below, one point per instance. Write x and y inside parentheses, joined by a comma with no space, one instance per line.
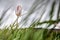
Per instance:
(18,10)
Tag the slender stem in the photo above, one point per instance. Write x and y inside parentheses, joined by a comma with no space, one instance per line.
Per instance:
(17,20)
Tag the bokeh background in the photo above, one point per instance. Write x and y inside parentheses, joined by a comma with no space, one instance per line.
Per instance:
(8,7)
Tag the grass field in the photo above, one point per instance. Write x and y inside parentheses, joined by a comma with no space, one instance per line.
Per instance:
(29,34)
(47,11)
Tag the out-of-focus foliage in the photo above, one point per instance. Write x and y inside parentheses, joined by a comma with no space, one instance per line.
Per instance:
(29,34)
(50,8)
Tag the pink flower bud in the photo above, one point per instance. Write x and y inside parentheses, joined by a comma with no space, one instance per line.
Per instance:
(18,10)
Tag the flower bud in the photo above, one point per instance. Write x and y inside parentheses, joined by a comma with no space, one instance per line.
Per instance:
(18,10)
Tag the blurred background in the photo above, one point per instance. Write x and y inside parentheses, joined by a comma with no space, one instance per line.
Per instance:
(32,11)
(7,10)
(39,20)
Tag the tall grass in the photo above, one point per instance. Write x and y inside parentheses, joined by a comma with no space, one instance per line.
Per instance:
(29,34)
(33,33)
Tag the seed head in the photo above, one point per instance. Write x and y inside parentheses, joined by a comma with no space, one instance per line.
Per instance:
(18,10)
